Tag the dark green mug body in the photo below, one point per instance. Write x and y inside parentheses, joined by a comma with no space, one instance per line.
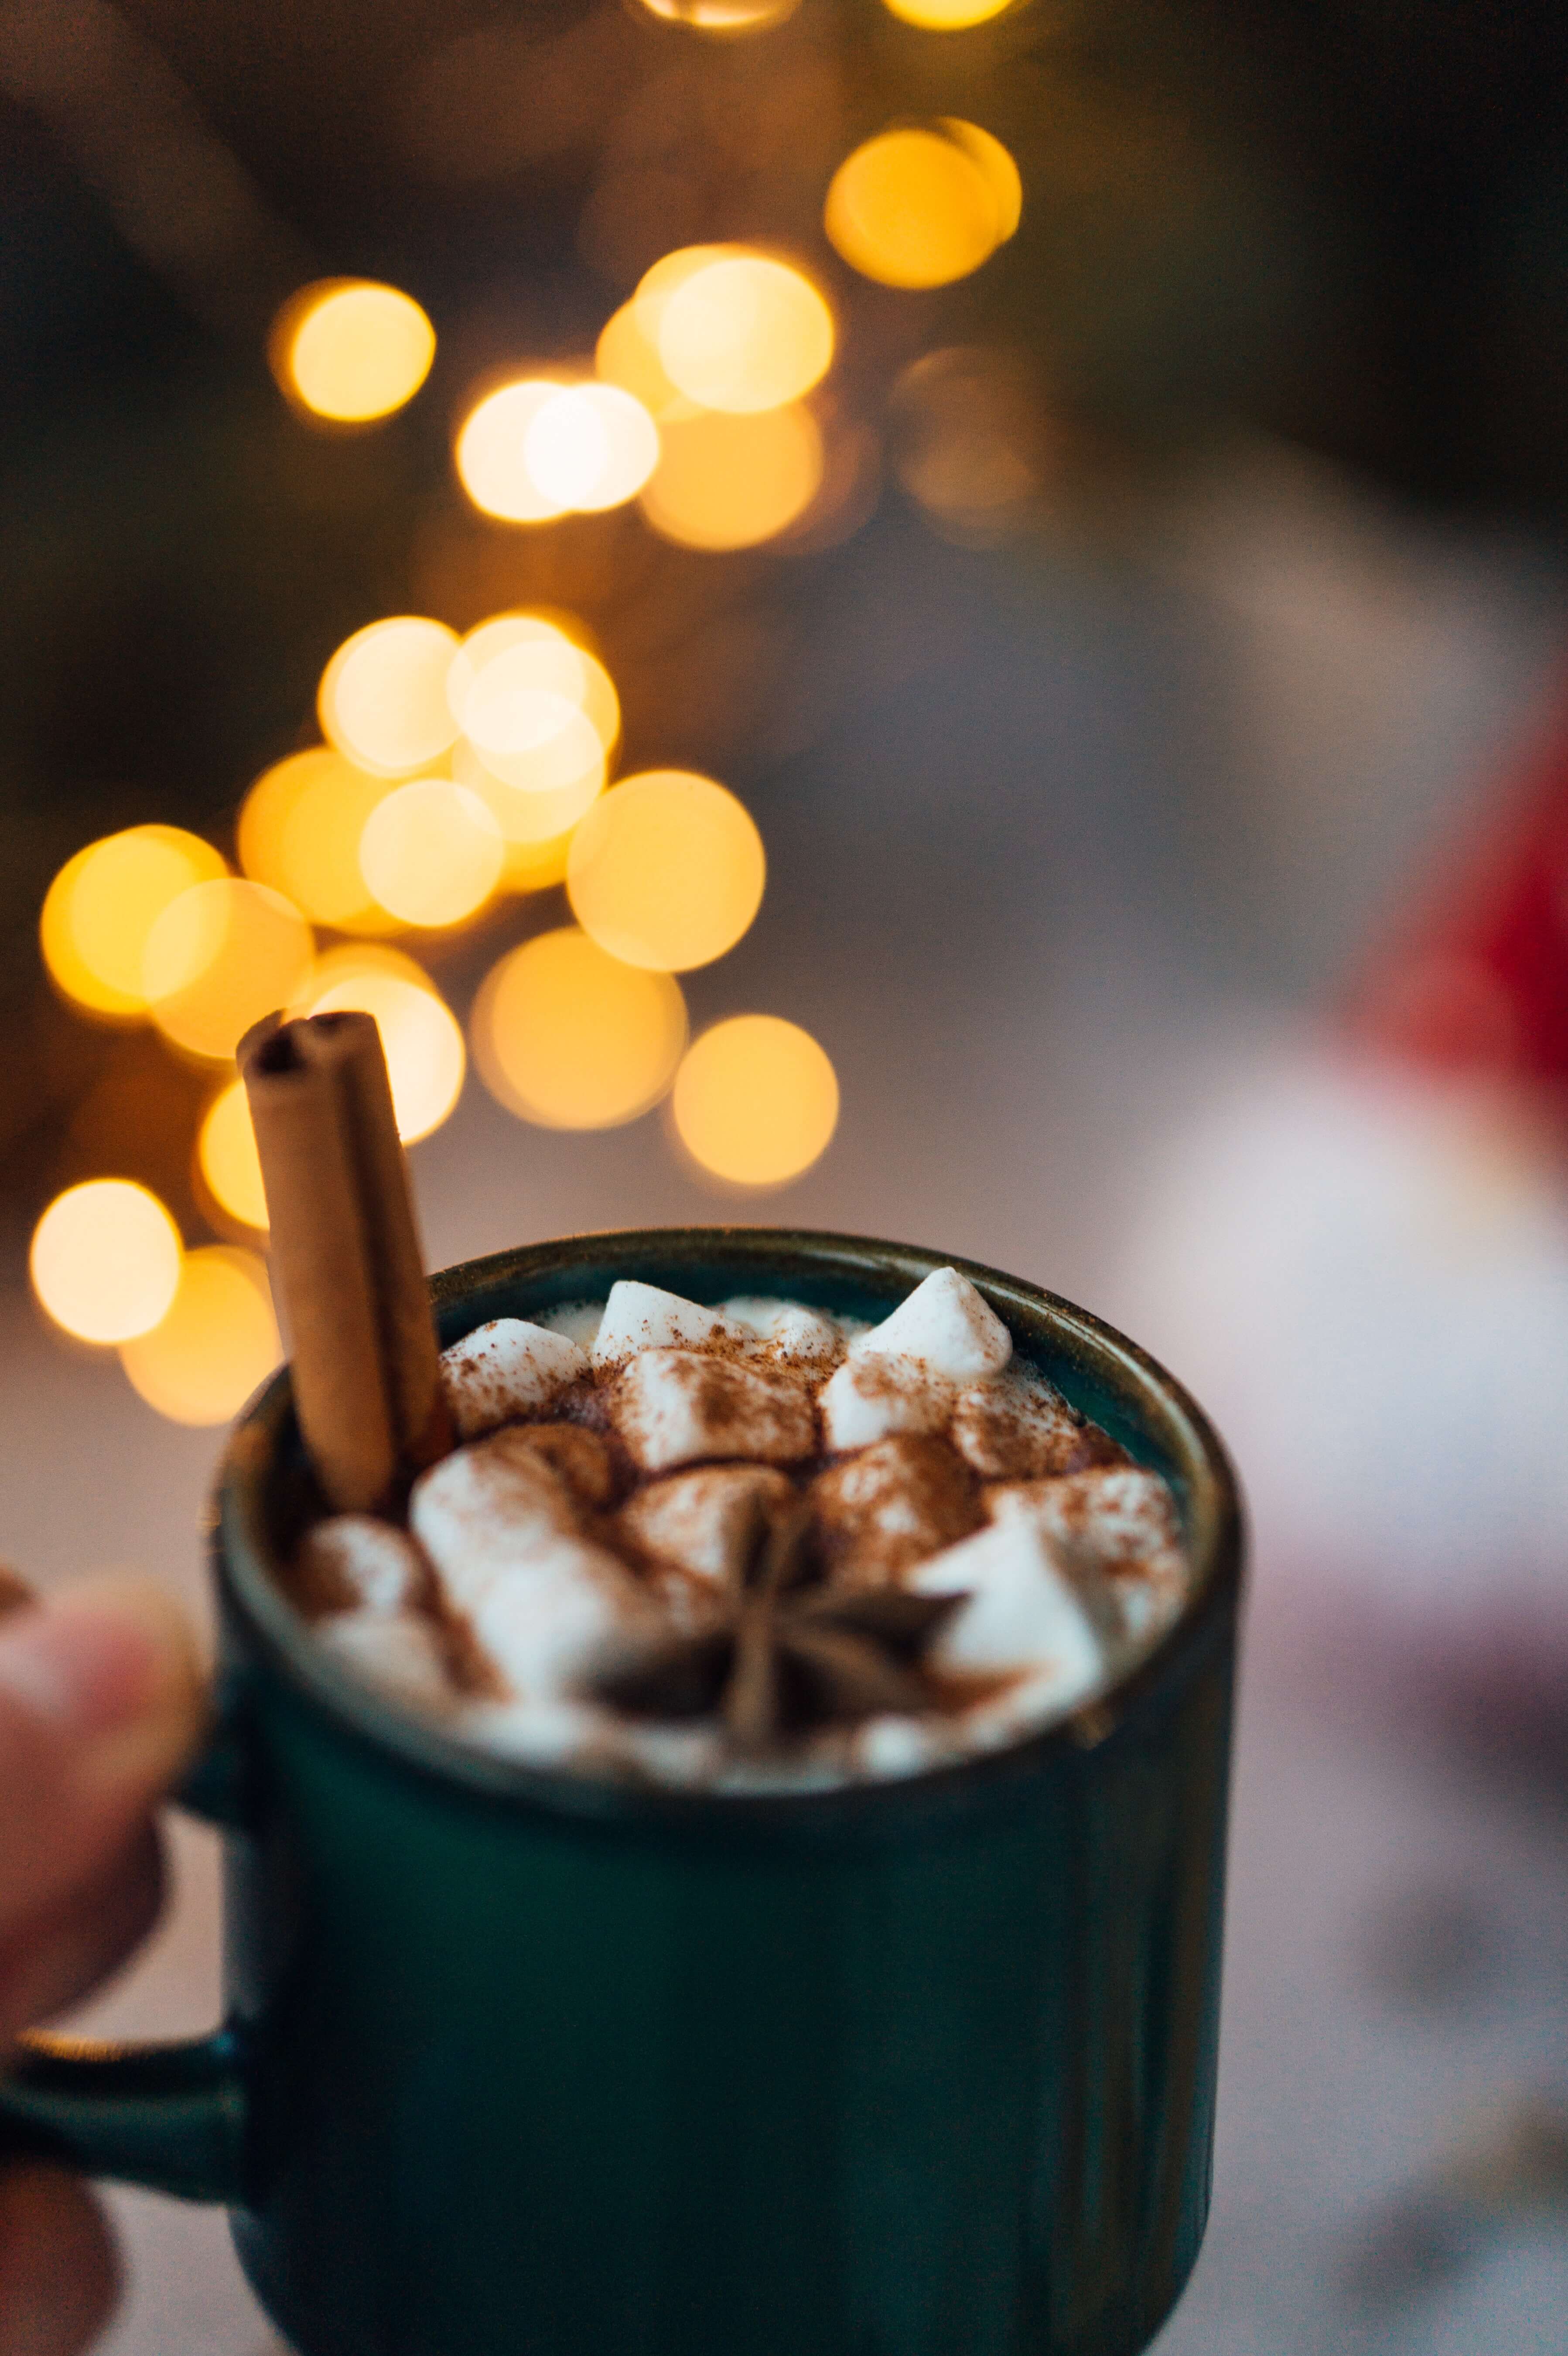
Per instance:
(524,2064)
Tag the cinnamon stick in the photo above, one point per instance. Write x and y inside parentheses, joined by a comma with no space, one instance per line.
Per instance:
(347,1265)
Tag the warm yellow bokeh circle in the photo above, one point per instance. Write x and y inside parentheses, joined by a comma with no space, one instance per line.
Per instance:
(728,481)
(946,16)
(216,1343)
(491,453)
(568,1037)
(104,902)
(666,871)
(755,1100)
(745,332)
(300,830)
(383,699)
(920,207)
(351,349)
(432,852)
(419,1035)
(105,1259)
(219,957)
(228,1160)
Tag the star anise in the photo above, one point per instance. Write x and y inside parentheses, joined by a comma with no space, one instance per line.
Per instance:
(782,1652)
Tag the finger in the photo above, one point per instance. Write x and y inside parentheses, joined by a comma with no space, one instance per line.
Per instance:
(60,2270)
(53,1962)
(100,1704)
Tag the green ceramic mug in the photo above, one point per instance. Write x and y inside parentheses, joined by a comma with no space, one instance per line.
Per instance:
(519,2061)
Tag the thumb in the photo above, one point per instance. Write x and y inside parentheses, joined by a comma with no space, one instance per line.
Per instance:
(101,1705)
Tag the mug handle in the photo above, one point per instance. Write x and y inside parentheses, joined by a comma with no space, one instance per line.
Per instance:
(174,2117)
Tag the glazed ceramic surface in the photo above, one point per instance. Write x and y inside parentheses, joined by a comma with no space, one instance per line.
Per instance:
(520,2063)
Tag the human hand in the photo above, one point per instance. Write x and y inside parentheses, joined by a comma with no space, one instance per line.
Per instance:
(101,1705)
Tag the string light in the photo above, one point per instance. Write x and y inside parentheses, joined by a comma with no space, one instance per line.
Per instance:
(947,16)
(432,852)
(104,902)
(561,665)
(105,1259)
(666,872)
(569,1037)
(755,1100)
(529,821)
(722,18)
(922,207)
(382,699)
(728,481)
(217,1342)
(299,831)
(491,453)
(589,447)
(420,1036)
(744,333)
(351,349)
(228,1160)
(219,957)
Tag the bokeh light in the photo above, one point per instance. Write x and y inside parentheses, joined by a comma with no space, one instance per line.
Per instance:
(666,871)
(722,18)
(432,852)
(564,665)
(105,1259)
(971,443)
(351,349)
(219,957)
(922,207)
(300,830)
(383,699)
(995,164)
(531,821)
(491,453)
(217,1341)
(226,1157)
(755,1100)
(591,446)
(104,902)
(725,481)
(516,695)
(627,355)
(744,333)
(419,1035)
(947,16)
(569,1037)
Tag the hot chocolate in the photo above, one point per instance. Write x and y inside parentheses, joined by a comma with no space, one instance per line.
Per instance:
(753,1546)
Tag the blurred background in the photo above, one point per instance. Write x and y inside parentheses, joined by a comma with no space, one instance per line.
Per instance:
(939,619)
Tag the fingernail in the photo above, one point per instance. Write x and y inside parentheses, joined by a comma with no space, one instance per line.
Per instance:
(88,1672)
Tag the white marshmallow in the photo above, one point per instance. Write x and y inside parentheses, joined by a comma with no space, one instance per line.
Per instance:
(354,1561)
(1022,1613)
(1017,1426)
(540,1733)
(642,1317)
(674,1407)
(482,1513)
(870,1398)
(542,1625)
(1113,1530)
(504,1370)
(578,1319)
(705,1520)
(895,1746)
(946,1327)
(398,1651)
(803,1336)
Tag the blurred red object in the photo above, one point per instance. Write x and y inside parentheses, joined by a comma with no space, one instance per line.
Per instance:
(1474,975)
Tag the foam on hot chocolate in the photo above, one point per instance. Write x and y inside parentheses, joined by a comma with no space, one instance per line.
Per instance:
(937,1552)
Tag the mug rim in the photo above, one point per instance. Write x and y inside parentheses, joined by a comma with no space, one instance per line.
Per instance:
(243,1568)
